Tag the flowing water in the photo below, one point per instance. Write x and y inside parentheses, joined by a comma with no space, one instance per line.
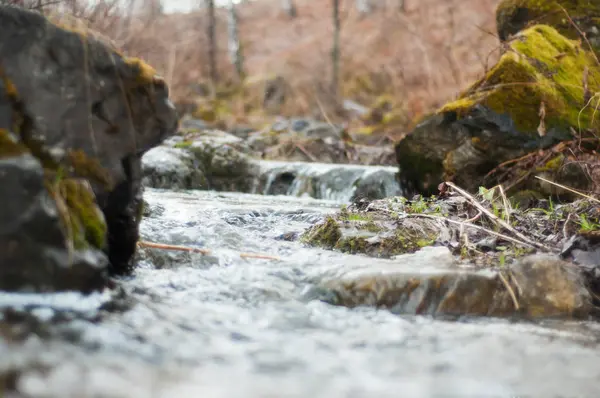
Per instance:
(339,182)
(189,325)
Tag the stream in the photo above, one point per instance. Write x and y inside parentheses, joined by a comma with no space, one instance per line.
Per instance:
(218,325)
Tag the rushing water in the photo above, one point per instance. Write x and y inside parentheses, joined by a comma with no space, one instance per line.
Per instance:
(340,182)
(190,325)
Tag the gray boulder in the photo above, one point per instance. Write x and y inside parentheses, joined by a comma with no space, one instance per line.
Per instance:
(209,159)
(172,168)
(87,114)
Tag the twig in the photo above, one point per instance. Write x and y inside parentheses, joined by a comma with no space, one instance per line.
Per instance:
(305,152)
(462,223)
(473,219)
(201,251)
(510,290)
(172,247)
(506,203)
(564,229)
(568,189)
(583,35)
(494,218)
(260,256)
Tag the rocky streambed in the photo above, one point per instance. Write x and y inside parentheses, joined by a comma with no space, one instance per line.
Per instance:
(293,261)
(186,324)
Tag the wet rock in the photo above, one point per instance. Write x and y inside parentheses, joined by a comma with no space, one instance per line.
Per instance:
(36,253)
(288,236)
(209,159)
(361,233)
(172,168)
(216,160)
(531,99)
(428,283)
(376,185)
(62,97)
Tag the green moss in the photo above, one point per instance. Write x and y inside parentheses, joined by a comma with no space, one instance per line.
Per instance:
(407,241)
(83,166)
(9,147)
(347,216)
(352,245)
(9,88)
(85,220)
(324,235)
(144,72)
(184,144)
(371,226)
(540,67)
(553,164)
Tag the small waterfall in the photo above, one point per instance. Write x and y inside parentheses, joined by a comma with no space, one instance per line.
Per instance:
(338,182)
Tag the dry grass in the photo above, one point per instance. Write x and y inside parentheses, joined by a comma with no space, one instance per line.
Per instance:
(421,57)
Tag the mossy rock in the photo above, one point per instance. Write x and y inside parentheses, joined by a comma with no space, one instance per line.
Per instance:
(570,17)
(324,235)
(542,71)
(357,233)
(541,92)
(82,220)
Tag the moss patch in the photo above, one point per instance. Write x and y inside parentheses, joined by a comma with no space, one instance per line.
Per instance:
(85,167)
(352,231)
(324,235)
(86,221)
(538,81)
(9,146)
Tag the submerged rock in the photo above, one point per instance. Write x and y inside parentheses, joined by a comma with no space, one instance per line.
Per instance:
(427,283)
(75,118)
(534,97)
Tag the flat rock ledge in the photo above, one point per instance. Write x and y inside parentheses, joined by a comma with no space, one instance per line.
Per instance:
(459,254)
(429,283)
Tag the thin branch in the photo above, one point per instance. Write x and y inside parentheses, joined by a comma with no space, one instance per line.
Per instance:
(189,249)
(172,247)
(494,218)
(568,189)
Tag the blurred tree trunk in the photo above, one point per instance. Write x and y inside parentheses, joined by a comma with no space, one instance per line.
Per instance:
(289,7)
(335,51)
(212,41)
(235,47)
